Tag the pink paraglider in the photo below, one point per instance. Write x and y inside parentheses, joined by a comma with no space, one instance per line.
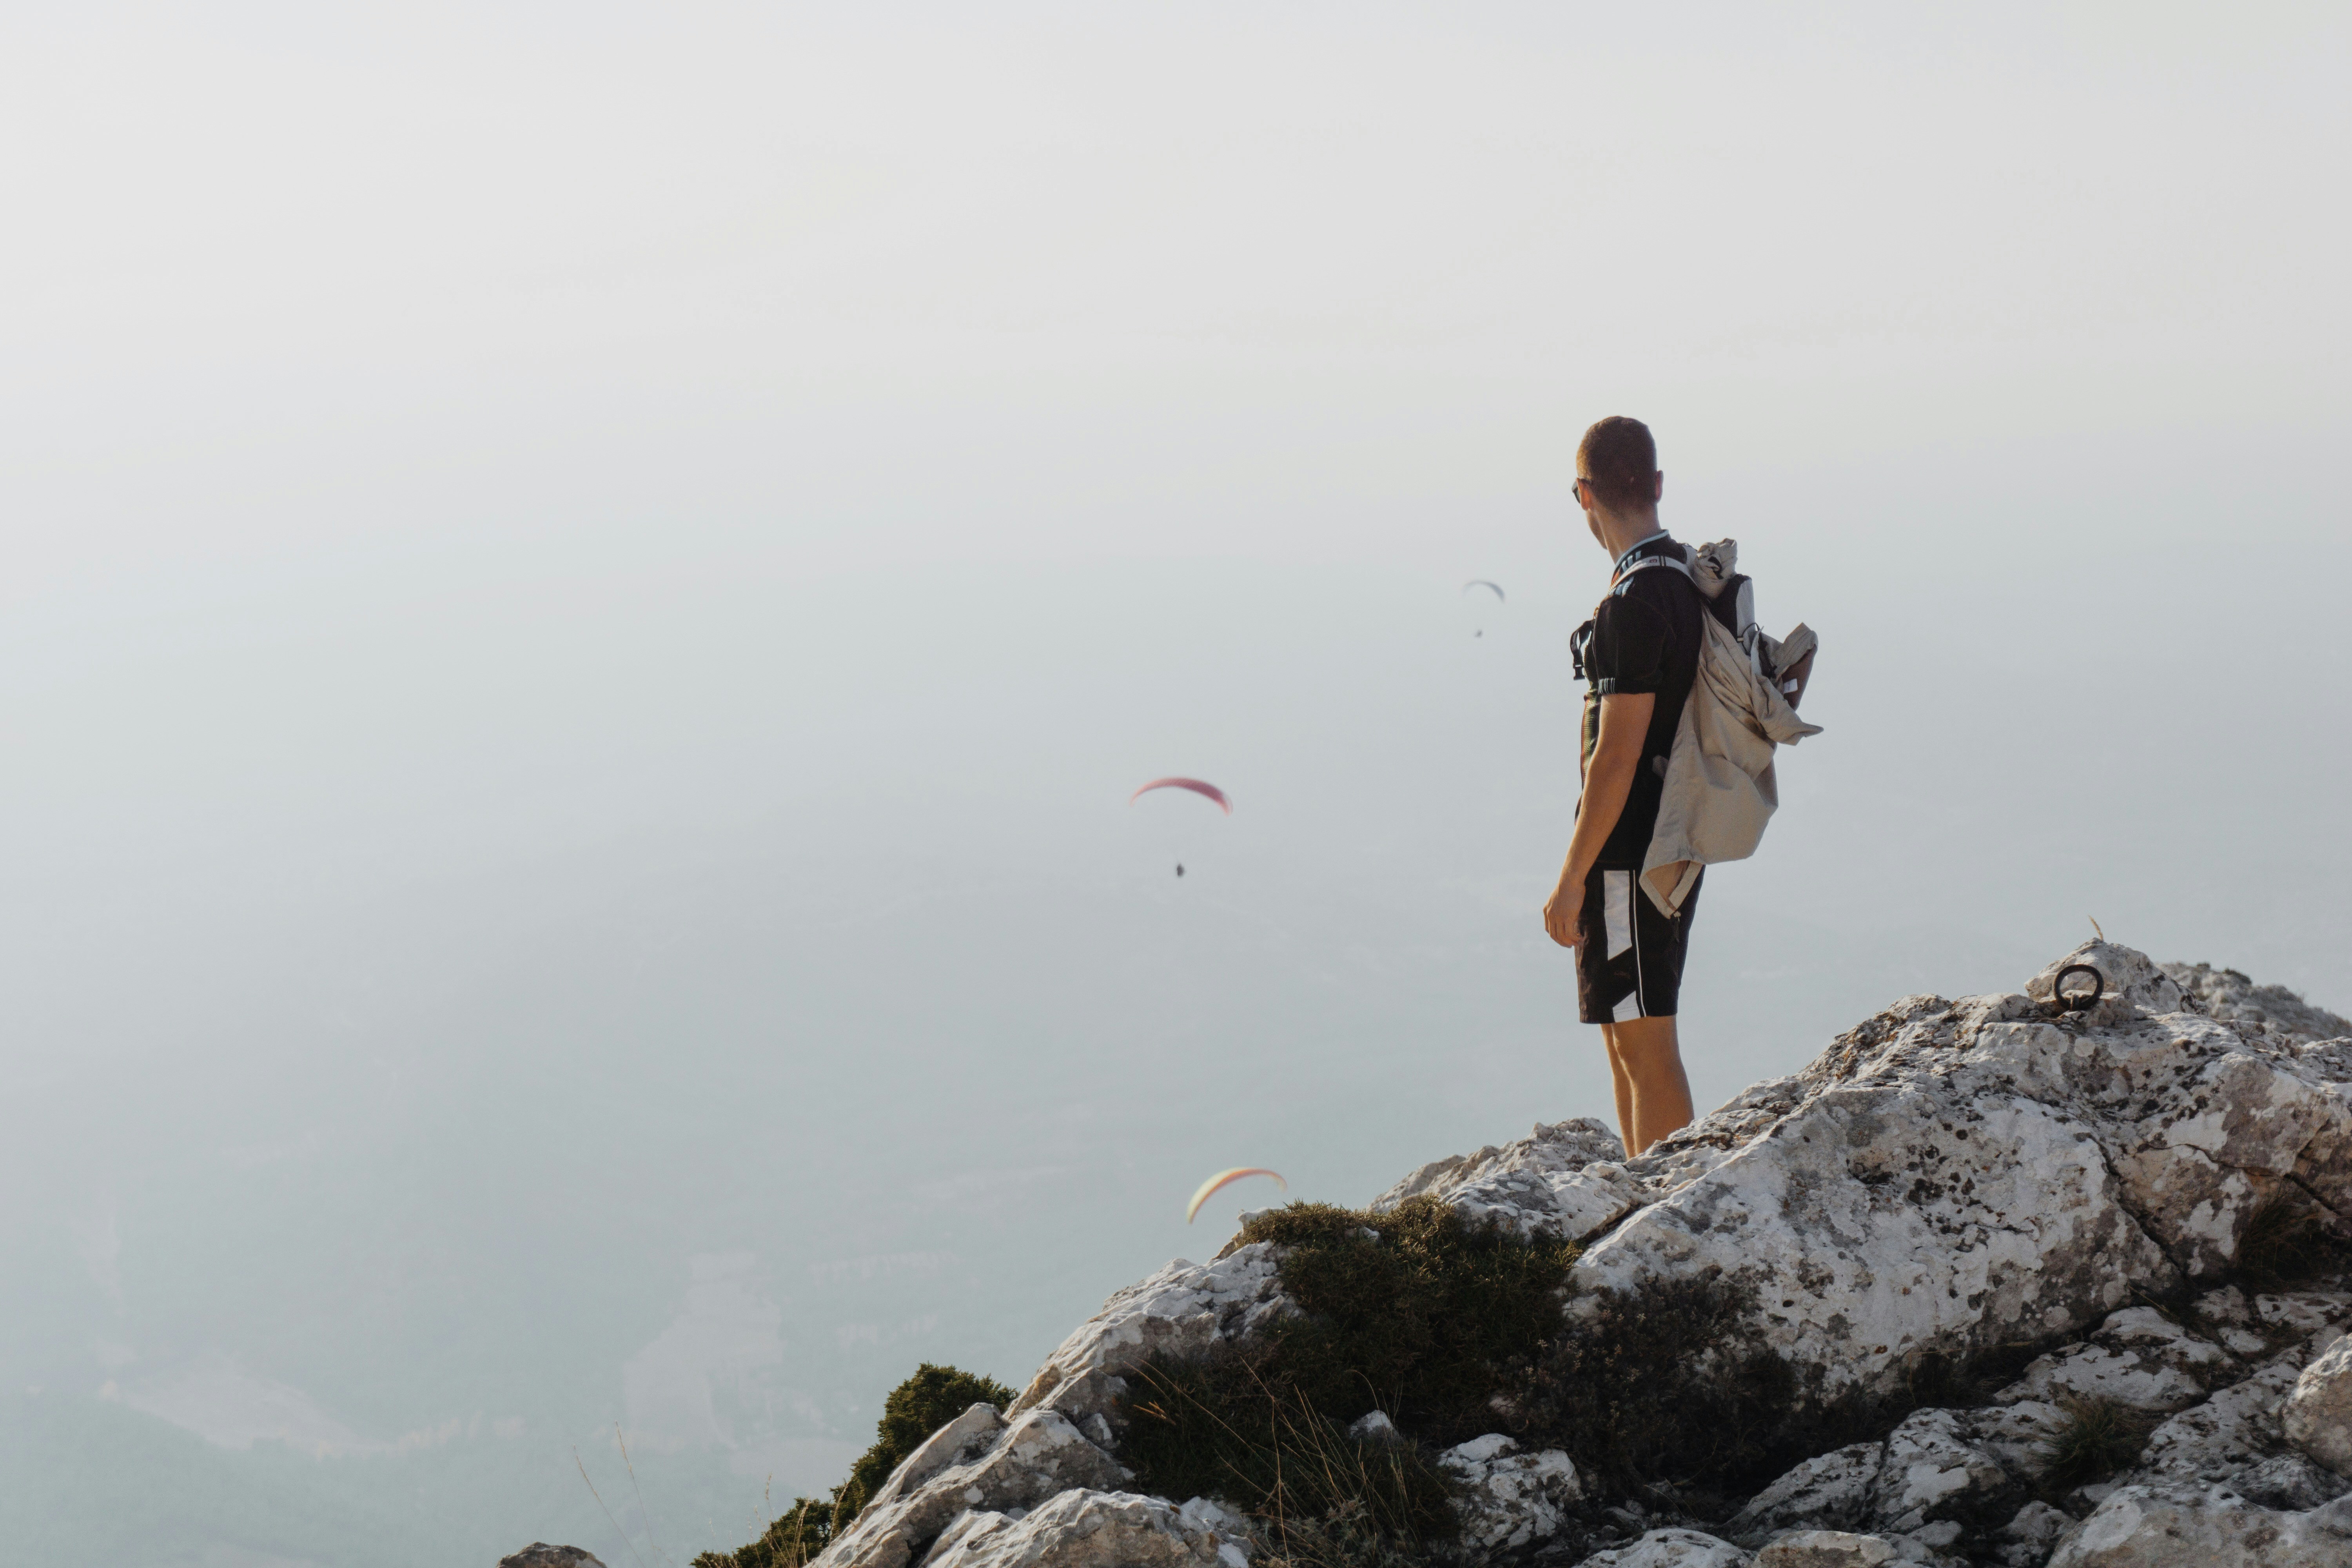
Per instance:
(1198,786)
(1209,1188)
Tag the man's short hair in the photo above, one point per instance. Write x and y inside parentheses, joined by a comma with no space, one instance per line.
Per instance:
(1622,462)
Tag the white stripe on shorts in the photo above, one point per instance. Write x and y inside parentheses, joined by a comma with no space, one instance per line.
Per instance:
(1629,1008)
(1617,908)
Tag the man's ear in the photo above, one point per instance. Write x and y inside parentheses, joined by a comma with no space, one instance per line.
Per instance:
(1658,486)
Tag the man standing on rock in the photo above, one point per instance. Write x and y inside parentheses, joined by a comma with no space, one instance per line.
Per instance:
(1639,653)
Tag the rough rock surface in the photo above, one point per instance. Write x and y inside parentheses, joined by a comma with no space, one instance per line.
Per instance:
(1094,1530)
(2317,1417)
(1831,1491)
(1672,1549)
(540,1555)
(1182,1309)
(975,1463)
(2137,1528)
(2137,1357)
(1566,1181)
(1931,1469)
(1827,1549)
(1948,1179)
(2026,1540)
(1510,1499)
(1959,1176)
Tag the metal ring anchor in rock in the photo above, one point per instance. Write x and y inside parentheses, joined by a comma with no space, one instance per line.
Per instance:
(2080,1001)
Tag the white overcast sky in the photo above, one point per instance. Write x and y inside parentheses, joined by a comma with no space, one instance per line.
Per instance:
(909,282)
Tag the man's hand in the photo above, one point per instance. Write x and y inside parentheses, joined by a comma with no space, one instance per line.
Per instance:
(1564,914)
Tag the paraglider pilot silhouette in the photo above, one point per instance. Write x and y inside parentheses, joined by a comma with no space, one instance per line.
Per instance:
(1639,654)
(1198,786)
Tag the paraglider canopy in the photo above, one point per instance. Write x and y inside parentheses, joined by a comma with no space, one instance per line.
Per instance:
(1482,583)
(1198,786)
(1209,1188)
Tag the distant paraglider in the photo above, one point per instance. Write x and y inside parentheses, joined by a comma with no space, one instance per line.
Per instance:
(1202,787)
(1209,1188)
(1494,588)
(1198,786)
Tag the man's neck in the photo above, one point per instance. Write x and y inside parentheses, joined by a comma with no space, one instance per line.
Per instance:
(1619,534)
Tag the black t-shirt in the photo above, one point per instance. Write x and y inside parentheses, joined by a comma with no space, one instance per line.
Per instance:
(1643,637)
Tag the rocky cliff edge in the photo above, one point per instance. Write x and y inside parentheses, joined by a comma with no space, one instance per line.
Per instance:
(2102,1203)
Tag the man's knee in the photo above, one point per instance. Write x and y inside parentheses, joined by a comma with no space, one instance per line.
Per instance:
(1638,1042)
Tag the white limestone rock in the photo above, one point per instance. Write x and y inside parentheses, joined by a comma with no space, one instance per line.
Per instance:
(2140,1528)
(1826,1549)
(2303,1313)
(1510,1499)
(976,1463)
(1830,1492)
(1927,1547)
(1083,1529)
(2166,1342)
(2129,974)
(2025,1542)
(1671,1549)
(1886,1218)
(2016,1435)
(2317,1415)
(2290,1482)
(1181,1311)
(2208,1444)
(2137,1357)
(1931,1471)
(1549,1151)
(1563,1180)
(1957,1176)
(2230,997)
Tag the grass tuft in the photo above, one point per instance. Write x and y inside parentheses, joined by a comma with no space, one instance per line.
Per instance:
(2095,1438)
(1227,1426)
(2286,1243)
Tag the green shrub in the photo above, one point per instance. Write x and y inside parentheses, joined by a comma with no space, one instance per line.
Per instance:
(1416,1312)
(798,1535)
(918,1407)
(1670,1382)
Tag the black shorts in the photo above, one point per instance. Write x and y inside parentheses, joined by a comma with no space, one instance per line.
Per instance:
(1631,965)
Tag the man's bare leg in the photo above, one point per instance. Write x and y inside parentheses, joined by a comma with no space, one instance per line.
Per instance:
(1652,1092)
(1622,1082)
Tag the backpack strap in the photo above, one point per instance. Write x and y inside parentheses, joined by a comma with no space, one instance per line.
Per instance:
(1617,585)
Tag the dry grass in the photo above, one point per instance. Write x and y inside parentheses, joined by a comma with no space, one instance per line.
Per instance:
(2286,1242)
(2096,1439)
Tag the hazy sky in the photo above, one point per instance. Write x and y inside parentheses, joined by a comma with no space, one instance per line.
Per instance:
(586,585)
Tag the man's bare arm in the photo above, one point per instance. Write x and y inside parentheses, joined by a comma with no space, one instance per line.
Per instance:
(1607,780)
